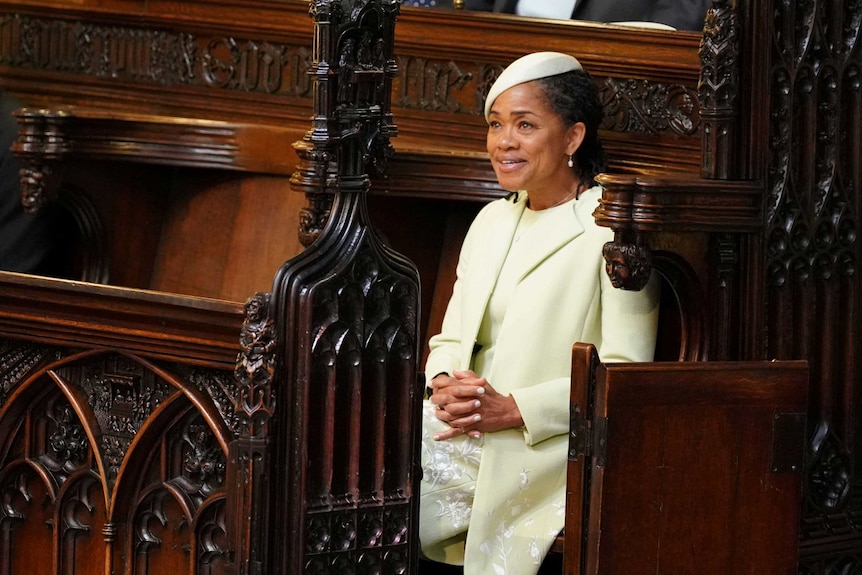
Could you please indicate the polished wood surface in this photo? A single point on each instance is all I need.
(160, 431)
(673, 466)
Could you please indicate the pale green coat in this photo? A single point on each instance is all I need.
(563, 296)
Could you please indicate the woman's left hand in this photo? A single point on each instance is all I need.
(471, 405)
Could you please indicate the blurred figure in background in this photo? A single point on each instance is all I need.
(678, 14)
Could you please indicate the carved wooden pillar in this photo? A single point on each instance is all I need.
(811, 255)
(345, 475)
(718, 87)
(250, 456)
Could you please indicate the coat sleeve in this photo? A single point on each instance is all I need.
(445, 347)
(628, 322)
(544, 408)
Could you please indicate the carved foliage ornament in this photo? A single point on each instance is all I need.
(643, 107)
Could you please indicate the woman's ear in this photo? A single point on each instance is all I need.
(575, 137)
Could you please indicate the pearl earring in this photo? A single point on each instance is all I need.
(571, 161)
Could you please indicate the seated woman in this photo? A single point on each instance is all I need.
(530, 282)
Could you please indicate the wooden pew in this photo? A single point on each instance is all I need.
(699, 137)
(691, 467)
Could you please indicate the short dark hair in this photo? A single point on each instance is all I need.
(574, 96)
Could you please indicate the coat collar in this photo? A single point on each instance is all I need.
(563, 226)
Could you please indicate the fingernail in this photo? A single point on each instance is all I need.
(480, 390)
(475, 434)
(477, 417)
(436, 437)
(477, 403)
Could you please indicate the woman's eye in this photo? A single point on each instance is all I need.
(525, 125)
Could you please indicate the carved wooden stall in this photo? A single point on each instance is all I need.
(148, 432)
(734, 157)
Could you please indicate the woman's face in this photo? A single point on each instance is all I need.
(528, 144)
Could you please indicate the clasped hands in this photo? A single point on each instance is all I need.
(470, 405)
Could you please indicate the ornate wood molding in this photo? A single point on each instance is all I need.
(640, 204)
(168, 326)
(634, 206)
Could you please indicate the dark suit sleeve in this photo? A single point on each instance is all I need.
(479, 5)
(681, 14)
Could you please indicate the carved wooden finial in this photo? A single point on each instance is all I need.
(353, 67)
(720, 70)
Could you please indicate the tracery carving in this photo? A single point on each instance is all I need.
(356, 541)
(211, 536)
(122, 395)
(17, 362)
(15, 490)
(79, 505)
(719, 88)
(203, 464)
(644, 107)
(813, 228)
(221, 387)
(195, 467)
(153, 518)
(811, 249)
(346, 316)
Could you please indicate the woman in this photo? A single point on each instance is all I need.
(530, 282)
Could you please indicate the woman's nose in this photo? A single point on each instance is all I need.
(505, 139)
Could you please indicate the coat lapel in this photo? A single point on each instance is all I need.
(558, 228)
(477, 296)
